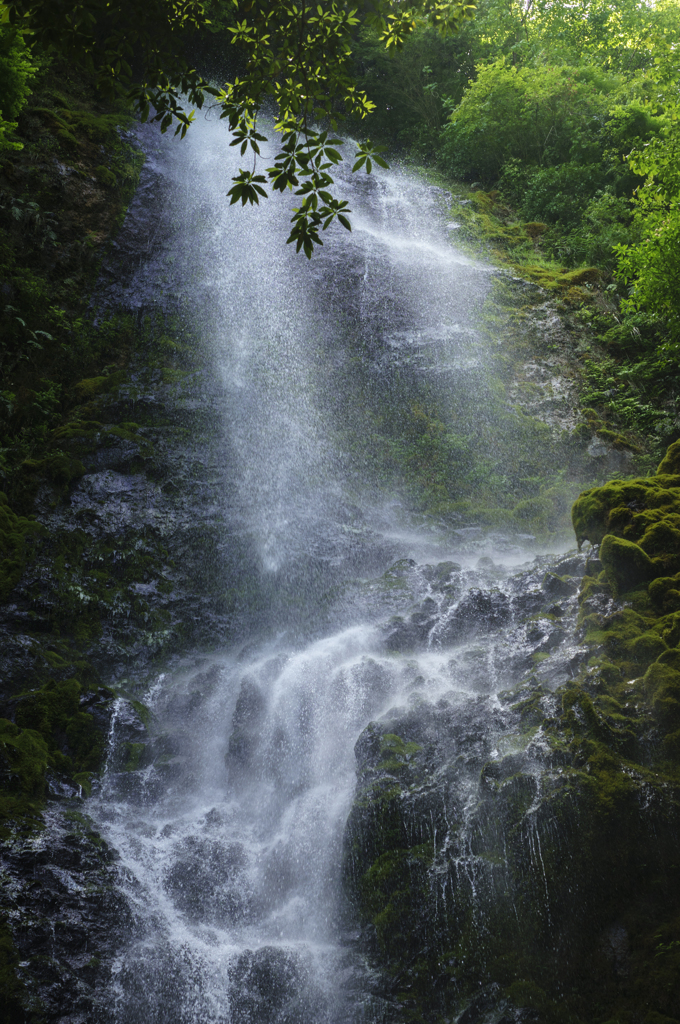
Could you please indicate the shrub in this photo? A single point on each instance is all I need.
(537, 115)
(16, 72)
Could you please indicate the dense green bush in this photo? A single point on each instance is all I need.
(542, 116)
(17, 69)
(652, 264)
(555, 141)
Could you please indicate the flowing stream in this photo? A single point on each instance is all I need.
(231, 841)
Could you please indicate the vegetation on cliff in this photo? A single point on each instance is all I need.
(66, 175)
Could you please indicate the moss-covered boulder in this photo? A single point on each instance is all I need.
(645, 511)
(665, 592)
(670, 464)
(626, 565)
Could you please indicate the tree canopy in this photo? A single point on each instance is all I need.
(571, 109)
(295, 56)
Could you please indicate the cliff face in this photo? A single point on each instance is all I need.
(107, 560)
(513, 856)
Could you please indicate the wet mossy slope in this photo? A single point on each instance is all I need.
(518, 858)
(113, 551)
(64, 190)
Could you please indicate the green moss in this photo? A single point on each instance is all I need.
(26, 753)
(646, 648)
(626, 565)
(91, 386)
(84, 780)
(526, 994)
(629, 508)
(397, 754)
(134, 753)
(557, 279)
(670, 658)
(77, 429)
(670, 464)
(15, 532)
(388, 890)
(105, 176)
(59, 467)
(54, 712)
(49, 731)
(665, 592)
(143, 712)
(668, 627)
(616, 440)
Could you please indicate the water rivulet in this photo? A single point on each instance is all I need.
(396, 766)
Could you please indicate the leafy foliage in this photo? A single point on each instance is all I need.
(652, 264)
(17, 70)
(296, 55)
(109, 38)
(299, 57)
(413, 88)
(541, 116)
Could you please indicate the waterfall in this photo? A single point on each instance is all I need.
(230, 835)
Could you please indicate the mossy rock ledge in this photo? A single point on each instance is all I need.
(518, 858)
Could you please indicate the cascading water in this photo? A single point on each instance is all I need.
(230, 834)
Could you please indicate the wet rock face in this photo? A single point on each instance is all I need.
(466, 866)
(478, 610)
(498, 624)
(497, 854)
(206, 881)
(246, 729)
(271, 986)
(67, 916)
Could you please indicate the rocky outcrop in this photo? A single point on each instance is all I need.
(65, 915)
(513, 856)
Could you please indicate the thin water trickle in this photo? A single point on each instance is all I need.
(230, 838)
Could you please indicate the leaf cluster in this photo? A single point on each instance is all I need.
(299, 57)
(17, 69)
(651, 265)
(136, 51)
(296, 54)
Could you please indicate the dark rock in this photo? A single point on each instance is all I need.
(477, 1011)
(272, 985)
(559, 586)
(61, 787)
(573, 566)
(527, 603)
(477, 610)
(554, 638)
(206, 881)
(406, 634)
(67, 916)
(441, 573)
(245, 736)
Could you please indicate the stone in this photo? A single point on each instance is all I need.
(626, 565)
